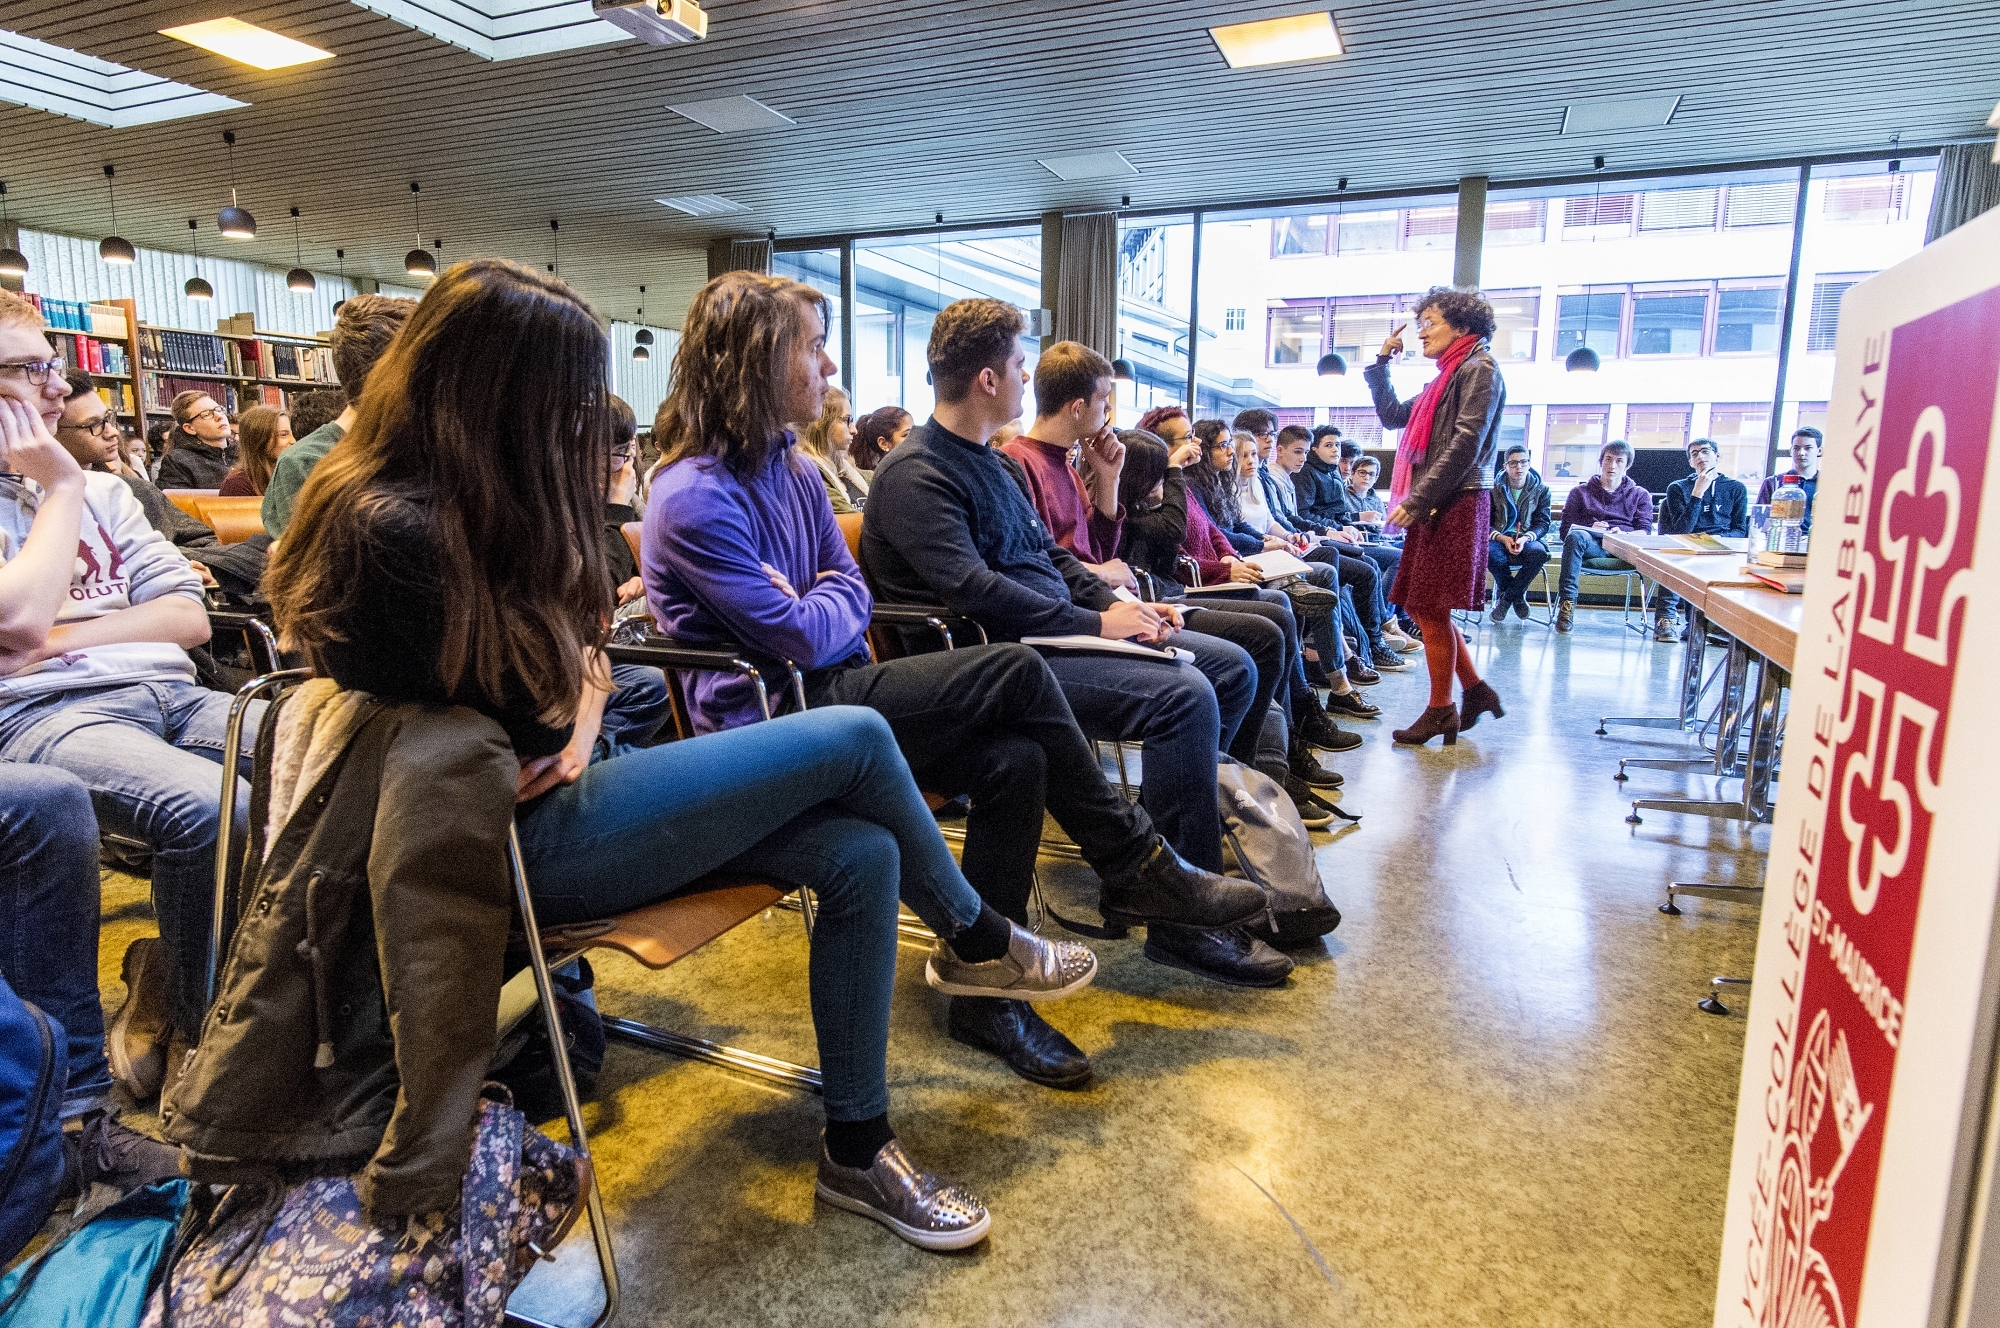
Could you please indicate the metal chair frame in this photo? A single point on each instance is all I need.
(227, 882)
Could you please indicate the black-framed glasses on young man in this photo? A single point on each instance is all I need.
(106, 427)
(623, 454)
(216, 411)
(35, 371)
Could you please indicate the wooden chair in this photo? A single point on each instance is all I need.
(232, 519)
(187, 499)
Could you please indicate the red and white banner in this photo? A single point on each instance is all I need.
(1860, 1105)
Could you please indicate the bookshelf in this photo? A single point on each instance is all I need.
(141, 367)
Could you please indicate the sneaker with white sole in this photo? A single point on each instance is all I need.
(1035, 968)
(135, 1041)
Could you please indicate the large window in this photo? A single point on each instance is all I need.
(1576, 434)
(901, 282)
(1155, 280)
(1658, 426)
(1590, 318)
(1746, 319)
(820, 269)
(1668, 322)
(1297, 331)
(1517, 314)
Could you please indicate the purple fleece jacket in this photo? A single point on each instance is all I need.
(1631, 508)
(705, 534)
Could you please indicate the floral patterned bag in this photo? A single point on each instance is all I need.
(306, 1253)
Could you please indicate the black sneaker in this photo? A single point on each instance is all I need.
(1318, 730)
(1316, 815)
(1301, 764)
(1352, 705)
(109, 1151)
(1361, 675)
(1231, 955)
(1521, 607)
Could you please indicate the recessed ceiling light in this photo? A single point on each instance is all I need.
(1278, 41)
(704, 205)
(1103, 164)
(246, 43)
(517, 28)
(54, 78)
(1599, 114)
(733, 115)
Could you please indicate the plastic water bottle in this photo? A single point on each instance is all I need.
(1788, 519)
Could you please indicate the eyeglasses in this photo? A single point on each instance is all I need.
(216, 411)
(622, 454)
(106, 426)
(36, 371)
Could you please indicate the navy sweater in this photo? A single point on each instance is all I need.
(948, 521)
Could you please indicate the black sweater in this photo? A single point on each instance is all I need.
(1151, 538)
(948, 521)
(397, 632)
(196, 466)
(1322, 494)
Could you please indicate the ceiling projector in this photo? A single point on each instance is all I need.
(656, 22)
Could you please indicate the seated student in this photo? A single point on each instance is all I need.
(200, 451)
(742, 545)
(824, 442)
(1320, 486)
(362, 331)
(1082, 511)
(97, 615)
(1607, 502)
(262, 435)
(441, 553)
(948, 523)
(1289, 452)
(312, 411)
(639, 703)
(1807, 444)
(48, 954)
(1516, 549)
(1707, 502)
(876, 435)
(1162, 527)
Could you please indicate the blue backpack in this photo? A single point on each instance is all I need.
(34, 1067)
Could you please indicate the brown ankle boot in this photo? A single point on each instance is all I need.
(1434, 721)
(1479, 699)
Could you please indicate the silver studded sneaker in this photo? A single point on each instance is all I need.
(1033, 969)
(923, 1209)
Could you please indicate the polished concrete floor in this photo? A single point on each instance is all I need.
(1489, 1100)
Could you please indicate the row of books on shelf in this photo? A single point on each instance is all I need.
(100, 320)
(182, 352)
(159, 391)
(280, 359)
(117, 397)
(99, 357)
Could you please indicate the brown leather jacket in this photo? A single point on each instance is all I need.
(1464, 431)
(354, 1021)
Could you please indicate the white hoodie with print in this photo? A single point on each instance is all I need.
(120, 561)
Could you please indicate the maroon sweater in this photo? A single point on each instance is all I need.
(1058, 494)
(1630, 508)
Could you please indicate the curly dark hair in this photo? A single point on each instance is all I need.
(1465, 310)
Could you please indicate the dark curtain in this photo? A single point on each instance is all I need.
(1087, 295)
(1968, 183)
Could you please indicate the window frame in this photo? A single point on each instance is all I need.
(1622, 289)
(1271, 312)
(1715, 314)
(1652, 289)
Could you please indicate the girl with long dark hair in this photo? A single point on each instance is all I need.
(448, 551)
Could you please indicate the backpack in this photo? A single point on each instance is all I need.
(1271, 845)
(34, 1069)
(100, 1271)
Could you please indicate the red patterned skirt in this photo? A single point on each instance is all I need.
(1444, 561)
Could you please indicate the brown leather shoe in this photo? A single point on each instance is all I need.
(1434, 722)
(1479, 699)
(136, 1041)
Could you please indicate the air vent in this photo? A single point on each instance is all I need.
(733, 115)
(1601, 114)
(1103, 164)
(704, 205)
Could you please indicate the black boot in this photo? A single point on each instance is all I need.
(1303, 765)
(1230, 955)
(1317, 728)
(1013, 1031)
(1168, 889)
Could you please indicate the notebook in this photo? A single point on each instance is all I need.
(1104, 645)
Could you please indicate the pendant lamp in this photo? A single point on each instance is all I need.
(13, 263)
(234, 222)
(1121, 371)
(1333, 364)
(555, 247)
(419, 263)
(299, 280)
(642, 339)
(115, 248)
(341, 254)
(1583, 359)
(196, 288)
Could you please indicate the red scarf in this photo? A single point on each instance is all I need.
(1416, 439)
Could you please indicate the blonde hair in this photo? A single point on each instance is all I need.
(17, 312)
(819, 434)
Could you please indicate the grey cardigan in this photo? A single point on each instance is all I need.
(1464, 431)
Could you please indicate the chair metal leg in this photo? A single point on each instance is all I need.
(545, 992)
(226, 861)
(1712, 1003)
(1741, 894)
(1726, 752)
(1694, 685)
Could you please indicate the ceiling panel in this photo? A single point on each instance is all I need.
(907, 109)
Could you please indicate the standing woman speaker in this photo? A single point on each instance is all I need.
(1438, 493)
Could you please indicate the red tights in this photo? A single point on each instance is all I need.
(1443, 661)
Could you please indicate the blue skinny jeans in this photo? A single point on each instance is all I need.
(821, 800)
